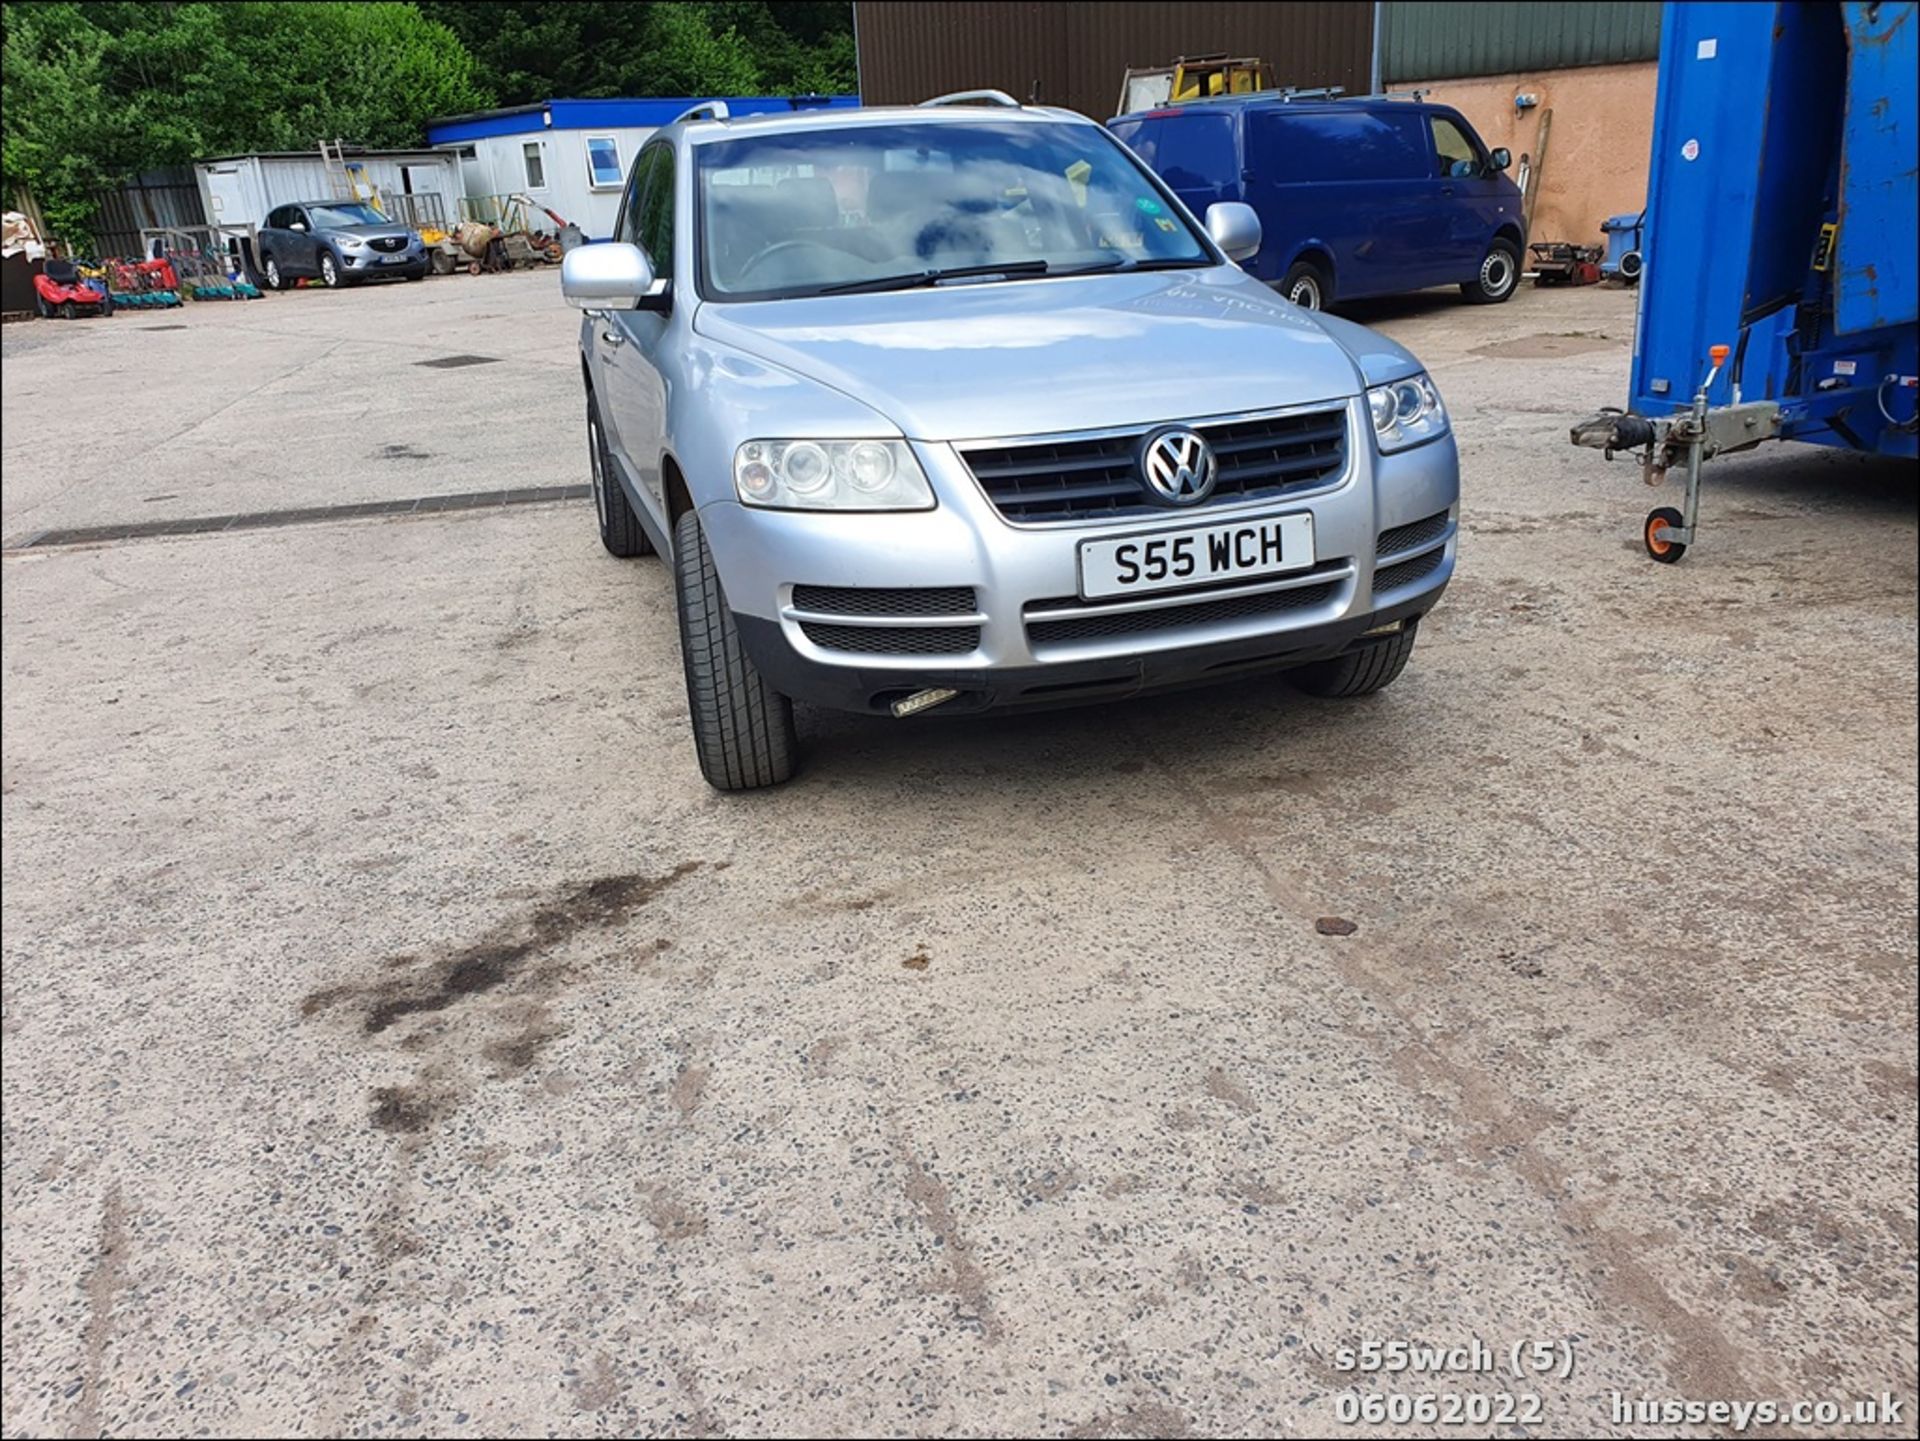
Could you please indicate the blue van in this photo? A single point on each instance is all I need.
(1356, 197)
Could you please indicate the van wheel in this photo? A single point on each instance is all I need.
(742, 727)
(1305, 285)
(1498, 276)
(1358, 672)
(620, 530)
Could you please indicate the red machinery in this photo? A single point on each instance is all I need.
(58, 291)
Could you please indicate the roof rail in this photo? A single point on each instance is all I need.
(974, 97)
(705, 110)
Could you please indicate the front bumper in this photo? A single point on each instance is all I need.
(1027, 638)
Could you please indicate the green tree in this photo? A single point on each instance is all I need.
(531, 50)
(97, 92)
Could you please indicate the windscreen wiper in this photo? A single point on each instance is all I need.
(919, 278)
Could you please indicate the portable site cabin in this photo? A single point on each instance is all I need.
(239, 190)
(572, 156)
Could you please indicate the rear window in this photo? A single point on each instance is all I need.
(1321, 145)
(1188, 151)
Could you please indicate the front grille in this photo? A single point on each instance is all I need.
(1411, 537)
(1407, 572)
(389, 242)
(850, 600)
(894, 639)
(1099, 478)
(1041, 631)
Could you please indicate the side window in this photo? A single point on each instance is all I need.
(1197, 151)
(536, 167)
(276, 219)
(1458, 158)
(297, 216)
(656, 215)
(1288, 146)
(603, 161)
(627, 228)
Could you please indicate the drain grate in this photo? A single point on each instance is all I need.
(454, 362)
(310, 515)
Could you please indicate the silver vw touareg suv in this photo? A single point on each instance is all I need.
(957, 406)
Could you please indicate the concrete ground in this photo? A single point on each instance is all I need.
(401, 1038)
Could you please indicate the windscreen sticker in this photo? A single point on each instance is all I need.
(1164, 223)
(1147, 205)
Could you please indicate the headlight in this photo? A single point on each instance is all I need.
(1406, 412)
(352, 242)
(830, 475)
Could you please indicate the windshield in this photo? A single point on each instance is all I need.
(335, 217)
(869, 207)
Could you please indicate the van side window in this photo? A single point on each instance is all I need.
(1458, 158)
(1142, 137)
(1195, 151)
(1344, 144)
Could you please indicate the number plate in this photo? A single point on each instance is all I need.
(1239, 550)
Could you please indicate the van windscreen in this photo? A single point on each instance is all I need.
(1322, 145)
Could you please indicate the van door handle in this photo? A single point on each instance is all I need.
(1446, 190)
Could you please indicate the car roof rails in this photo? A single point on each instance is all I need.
(973, 97)
(705, 110)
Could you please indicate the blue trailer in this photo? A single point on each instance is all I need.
(1779, 293)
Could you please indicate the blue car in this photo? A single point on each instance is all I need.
(1356, 197)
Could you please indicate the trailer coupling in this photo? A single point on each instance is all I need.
(1689, 439)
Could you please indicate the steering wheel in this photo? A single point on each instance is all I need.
(776, 248)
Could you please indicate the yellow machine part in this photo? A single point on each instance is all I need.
(1233, 77)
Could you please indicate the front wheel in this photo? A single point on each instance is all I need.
(1359, 672)
(620, 530)
(329, 270)
(1498, 276)
(742, 727)
(1305, 285)
(1663, 550)
(272, 273)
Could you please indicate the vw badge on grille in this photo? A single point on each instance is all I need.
(1178, 467)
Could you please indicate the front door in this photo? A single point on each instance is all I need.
(631, 346)
(1468, 191)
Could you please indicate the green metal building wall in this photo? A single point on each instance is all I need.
(1446, 40)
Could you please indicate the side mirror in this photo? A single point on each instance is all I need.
(612, 276)
(299, 225)
(1502, 158)
(1234, 228)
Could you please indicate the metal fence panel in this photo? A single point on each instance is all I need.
(151, 199)
(1445, 40)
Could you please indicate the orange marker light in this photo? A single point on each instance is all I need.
(1720, 353)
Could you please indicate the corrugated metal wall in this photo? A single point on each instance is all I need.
(154, 197)
(1075, 54)
(1443, 39)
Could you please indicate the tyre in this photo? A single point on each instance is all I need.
(1306, 285)
(67, 310)
(1664, 551)
(1358, 672)
(1498, 276)
(329, 270)
(620, 530)
(271, 274)
(742, 727)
